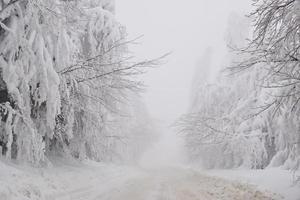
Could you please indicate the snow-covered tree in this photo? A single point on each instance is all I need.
(219, 129)
(274, 51)
(65, 71)
(251, 118)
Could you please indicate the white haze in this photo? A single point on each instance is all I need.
(168, 151)
(184, 27)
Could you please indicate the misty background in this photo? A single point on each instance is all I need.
(185, 28)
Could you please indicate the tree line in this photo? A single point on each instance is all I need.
(249, 116)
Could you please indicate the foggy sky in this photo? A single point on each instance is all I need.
(185, 27)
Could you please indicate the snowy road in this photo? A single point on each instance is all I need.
(164, 184)
(161, 176)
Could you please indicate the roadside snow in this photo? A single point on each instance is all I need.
(275, 180)
(62, 182)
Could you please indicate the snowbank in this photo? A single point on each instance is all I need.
(64, 181)
(276, 180)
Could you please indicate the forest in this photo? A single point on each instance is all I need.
(66, 73)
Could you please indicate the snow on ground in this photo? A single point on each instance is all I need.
(182, 184)
(277, 180)
(96, 181)
(65, 181)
